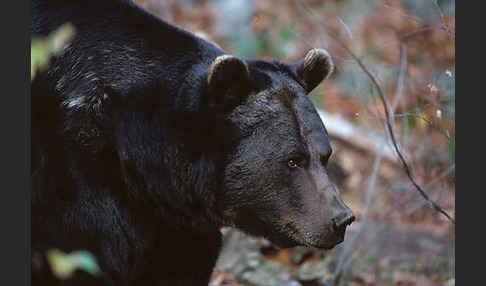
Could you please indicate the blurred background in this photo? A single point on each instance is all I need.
(408, 46)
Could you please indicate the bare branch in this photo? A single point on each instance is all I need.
(443, 25)
(429, 122)
(413, 18)
(388, 122)
(345, 255)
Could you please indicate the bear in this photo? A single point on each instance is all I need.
(147, 140)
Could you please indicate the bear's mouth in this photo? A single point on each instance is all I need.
(326, 245)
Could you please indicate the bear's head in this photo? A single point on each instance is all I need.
(276, 182)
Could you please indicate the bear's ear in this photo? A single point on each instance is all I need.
(228, 82)
(314, 68)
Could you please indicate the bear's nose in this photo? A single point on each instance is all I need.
(343, 220)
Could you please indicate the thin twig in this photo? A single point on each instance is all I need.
(443, 25)
(426, 120)
(413, 18)
(381, 95)
(345, 257)
(405, 35)
(406, 168)
(445, 173)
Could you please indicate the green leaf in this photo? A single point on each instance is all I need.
(63, 265)
(42, 49)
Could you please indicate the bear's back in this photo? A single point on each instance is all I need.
(119, 46)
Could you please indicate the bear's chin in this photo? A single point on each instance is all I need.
(324, 246)
(290, 244)
(284, 242)
(327, 244)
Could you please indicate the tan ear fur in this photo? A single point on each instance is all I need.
(226, 63)
(316, 67)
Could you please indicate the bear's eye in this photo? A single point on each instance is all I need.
(294, 163)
